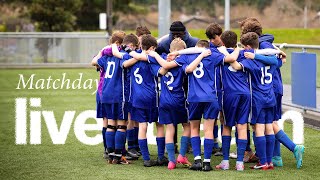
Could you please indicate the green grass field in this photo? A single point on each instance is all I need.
(74, 160)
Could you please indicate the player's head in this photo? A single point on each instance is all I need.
(213, 33)
(131, 41)
(148, 42)
(177, 29)
(229, 39)
(177, 44)
(142, 30)
(117, 37)
(250, 40)
(202, 43)
(251, 25)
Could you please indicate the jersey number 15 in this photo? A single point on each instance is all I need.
(266, 77)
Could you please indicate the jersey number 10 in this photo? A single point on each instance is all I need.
(265, 74)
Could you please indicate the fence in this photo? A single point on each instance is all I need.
(58, 47)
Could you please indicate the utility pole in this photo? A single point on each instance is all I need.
(227, 15)
(164, 10)
(109, 16)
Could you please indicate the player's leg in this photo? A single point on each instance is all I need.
(132, 152)
(136, 131)
(104, 130)
(161, 144)
(270, 138)
(196, 144)
(260, 142)
(184, 144)
(298, 150)
(226, 139)
(241, 145)
(110, 138)
(276, 159)
(170, 145)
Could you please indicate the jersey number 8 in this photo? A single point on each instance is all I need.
(198, 72)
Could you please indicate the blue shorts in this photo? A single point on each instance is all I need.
(116, 111)
(209, 110)
(144, 115)
(262, 115)
(172, 116)
(236, 109)
(278, 107)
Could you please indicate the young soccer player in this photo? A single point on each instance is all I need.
(145, 101)
(172, 107)
(265, 41)
(114, 99)
(117, 37)
(263, 100)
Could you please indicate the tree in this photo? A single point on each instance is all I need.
(53, 16)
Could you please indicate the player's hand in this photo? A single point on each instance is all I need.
(206, 53)
(282, 55)
(152, 53)
(249, 55)
(171, 56)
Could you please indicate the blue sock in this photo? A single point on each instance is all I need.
(184, 145)
(170, 150)
(276, 151)
(143, 144)
(110, 141)
(284, 139)
(120, 141)
(215, 136)
(261, 149)
(248, 148)
(104, 129)
(226, 147)
(131, 138)
(208, 146)
(196, 146)
(136, 132)
(161, 146)
(242, 143)
(270, 147)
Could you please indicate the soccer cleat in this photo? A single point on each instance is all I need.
(298, 154)
(171, 165)
(150, 163)
(133, 153)
(239, 166)
(196, 166)
(206, 166)
(271, 166)
(110, 157)
(120, 160)
(183, 160)
(260, 166)
(250, 157)
(163, 161)
(217, 152)
(223, 165)
(138, 150)
(277, 161)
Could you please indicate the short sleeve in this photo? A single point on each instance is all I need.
(217, 56)
(152, 60)
(181, 60)
(102, 61)
(155, 68)
(264, 45)
(280, 63)
(246, 64)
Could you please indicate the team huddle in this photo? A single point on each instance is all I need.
(210, 79)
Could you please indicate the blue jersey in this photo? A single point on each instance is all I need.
(113, 84)
(261, 77)
(218, 72)
(265, 41)
(144, 84)
(235, 82)
(202, 86)
(172, 93)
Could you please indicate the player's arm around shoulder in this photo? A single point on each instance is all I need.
(163, 63)
(192, 66)
(94, 61)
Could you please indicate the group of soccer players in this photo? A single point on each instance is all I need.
(241, 86)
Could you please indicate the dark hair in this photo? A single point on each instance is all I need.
(213, 30)
(229, 39)
(131, 38)
(117, 36)
(203, 43)
(141, 30)
(251, 25)
(251, 39)
(177, 26)
(148, 41)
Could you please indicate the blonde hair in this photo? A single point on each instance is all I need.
(177, 44)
